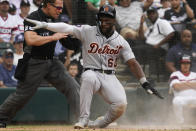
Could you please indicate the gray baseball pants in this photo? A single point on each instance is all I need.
(51, 70)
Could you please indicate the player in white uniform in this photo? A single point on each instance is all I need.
(102, 46)
(8, 25)
(183, 85)
(24, 7)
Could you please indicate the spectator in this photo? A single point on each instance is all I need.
(192, 4)
(93, 5)
(73, 71)
(128, 17)
(176, 52)
(7, 70)
(35, 4)
(92, 9)
(12, 9)
(183, 85)
(110, 2)
(158, 34)
(24, 7)
(165, 6)
(17, 4)
(68, 7)
(18, 46)
(8, 26)
(179, 14)
(156, 3)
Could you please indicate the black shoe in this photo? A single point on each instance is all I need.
(2, 125)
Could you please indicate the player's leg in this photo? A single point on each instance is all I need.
(191, 100)
(113, 93)
(181, 101)
(63, 82)
(90, 85)
(24, 91)
(178, 103)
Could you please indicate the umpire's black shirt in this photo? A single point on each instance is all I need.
(46, 50)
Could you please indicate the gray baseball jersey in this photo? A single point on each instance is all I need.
(98, 52)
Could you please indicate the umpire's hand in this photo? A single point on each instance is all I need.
(149, 89)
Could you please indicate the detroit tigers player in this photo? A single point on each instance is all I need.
(183, 85)
(102, 46)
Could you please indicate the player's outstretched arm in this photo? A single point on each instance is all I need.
(55, 27)
(139, 74)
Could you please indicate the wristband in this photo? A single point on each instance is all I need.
(143, 80)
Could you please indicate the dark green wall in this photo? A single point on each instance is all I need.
(46, 105)
(50, 105)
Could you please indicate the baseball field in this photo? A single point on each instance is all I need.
(116, 128)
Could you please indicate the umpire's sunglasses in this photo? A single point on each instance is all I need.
(57, 7)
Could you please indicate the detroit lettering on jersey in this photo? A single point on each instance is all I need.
(105, 50)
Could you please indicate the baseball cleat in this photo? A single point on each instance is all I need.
(96, 123)
(81, 124)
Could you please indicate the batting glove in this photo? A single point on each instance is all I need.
(149, 89)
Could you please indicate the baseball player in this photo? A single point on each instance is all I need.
(8, 26)
(102, 46)
(24, 7)
(183, 85)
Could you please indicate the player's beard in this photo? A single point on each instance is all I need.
(107, 31)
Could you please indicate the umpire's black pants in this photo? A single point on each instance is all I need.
(54, 72)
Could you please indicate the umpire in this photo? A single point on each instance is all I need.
(39, 63)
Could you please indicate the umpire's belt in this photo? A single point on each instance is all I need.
(43, 57)
(109, 72)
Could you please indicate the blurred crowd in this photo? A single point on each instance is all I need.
(159, 32)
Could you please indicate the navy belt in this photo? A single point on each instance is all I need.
(43, 57)
(109, 72)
